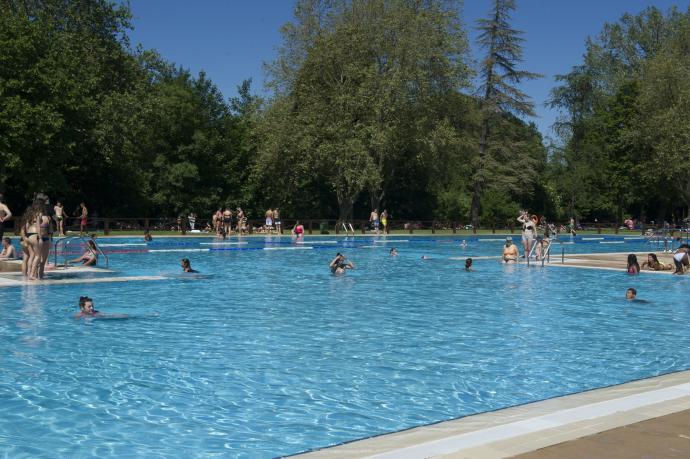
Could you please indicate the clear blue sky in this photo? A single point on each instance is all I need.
(229, 39)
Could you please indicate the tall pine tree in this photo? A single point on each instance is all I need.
(499, 93)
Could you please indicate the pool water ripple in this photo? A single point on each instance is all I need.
(267, 354)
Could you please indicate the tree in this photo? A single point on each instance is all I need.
(499, 93)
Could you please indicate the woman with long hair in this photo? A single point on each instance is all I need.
(633, 265)
(654, 264)
(32, 222)
(45, 231)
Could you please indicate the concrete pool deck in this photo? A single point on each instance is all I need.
(531, 427)
(15, 279)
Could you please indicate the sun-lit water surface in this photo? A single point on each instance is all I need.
(265, 353)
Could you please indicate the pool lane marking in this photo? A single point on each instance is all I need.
(288, 248)
(179, 250)
(121, 245)
(565, 417)
(391, 241)
(593, 238)
(491, 240)
(611, 242)
(635, 237)
(224, 243)
(317, 242)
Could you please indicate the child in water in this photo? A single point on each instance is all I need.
(86, 308)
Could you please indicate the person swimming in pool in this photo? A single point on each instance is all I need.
(468, 264)
(187, 266)
(393, 252)
(630, 294)
(86, 308)
(340, 264)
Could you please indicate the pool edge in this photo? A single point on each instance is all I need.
(528, 427)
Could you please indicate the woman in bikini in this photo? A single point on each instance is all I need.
(653, 264)
(32, 222)
(45, 230)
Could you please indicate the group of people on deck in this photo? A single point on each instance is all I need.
(681, 262)
(36, 229)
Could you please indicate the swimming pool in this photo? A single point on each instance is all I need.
(266, 354)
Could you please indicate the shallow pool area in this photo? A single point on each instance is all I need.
(265, 353)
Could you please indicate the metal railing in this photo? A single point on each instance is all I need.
(66, 241)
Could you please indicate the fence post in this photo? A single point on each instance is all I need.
(364, 228)
(433, 227)
(454, 227)
(106, 226)
(598, 229)
(311, 226)
(410, 227)
(493, 228)
(336, 227)
(183, 225)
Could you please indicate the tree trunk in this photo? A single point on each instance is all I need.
(345, 205)
(375, 198)
(477, 187)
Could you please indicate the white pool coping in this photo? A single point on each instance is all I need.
(525, 428)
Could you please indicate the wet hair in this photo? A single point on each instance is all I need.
(186, 263)
(91, 244)
(632, 261)
(83, 300)
(634, 292)
(654, 257)
(8, 240)
(468, 262)
(392, 249)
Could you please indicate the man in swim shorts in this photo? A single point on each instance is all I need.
(510, 251)
(374, 220)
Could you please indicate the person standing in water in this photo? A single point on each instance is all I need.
(60, 218)
(340, 264)
(187, 266)
(5, 214)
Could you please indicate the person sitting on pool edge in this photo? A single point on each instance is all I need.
(86, 308)
(187, 266)
(90, 257)
(468, 264)
(340, 264)
(510, 251)
(8, 252)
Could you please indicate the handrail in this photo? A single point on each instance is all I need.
(69, 239)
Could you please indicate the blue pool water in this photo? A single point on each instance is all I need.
(266, 354)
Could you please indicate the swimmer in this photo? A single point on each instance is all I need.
(510, 251)
(187, 266)
(424, 257)
(463, 244)
(147, 236)
(86, 308)
(340, 264)
(468, 264)
(630, 294)
(393, 252)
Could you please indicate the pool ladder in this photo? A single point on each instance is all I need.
(546, 254)
(66, 241)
